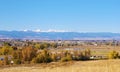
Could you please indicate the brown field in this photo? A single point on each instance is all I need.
(78, 66)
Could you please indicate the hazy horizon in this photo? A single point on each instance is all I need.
(38, 31)
(60, 15)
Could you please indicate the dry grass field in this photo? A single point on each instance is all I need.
(78, 66)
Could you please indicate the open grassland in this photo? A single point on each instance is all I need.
(78, 66)
(101, 50)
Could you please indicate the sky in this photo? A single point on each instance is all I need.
(60, 15)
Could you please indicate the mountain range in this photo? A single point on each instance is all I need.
(57, 35)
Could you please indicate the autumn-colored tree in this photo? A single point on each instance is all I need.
(6, 49)
(67, 57)
(6, 60)
(42, 57)
(37, 45)
(85, 55)
(46, 56)
(28, 53)
(54, 45)
(14, 55)
(54, 57)
(17, 56)
(113, 55)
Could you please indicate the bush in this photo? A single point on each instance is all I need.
(43, 57)
(1, 63)
(54, 57)
(113, 55)
(17, 61)
(28, 53)
(6, 61)
(67, 58)
(83, 55)
(77, 58)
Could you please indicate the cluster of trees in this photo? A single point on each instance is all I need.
(45, 45)
(40, 53)
(7, 48)
(31, 54)
(22, 54)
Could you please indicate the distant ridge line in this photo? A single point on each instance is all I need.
(58, 35)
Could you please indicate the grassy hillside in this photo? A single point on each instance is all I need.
(80, 66)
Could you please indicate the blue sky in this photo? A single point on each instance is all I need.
(68, 15)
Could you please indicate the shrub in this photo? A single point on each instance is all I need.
(28, 53)
(43, 57)
(15, 55)
(54, 57)
(66, 58)
(17, 61)
(1, 63)
(83, 55)
(113, 55)
(6, 61)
